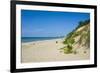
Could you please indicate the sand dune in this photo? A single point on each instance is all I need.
(49, 50)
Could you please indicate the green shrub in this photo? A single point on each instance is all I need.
(69, 41)
(67, 49)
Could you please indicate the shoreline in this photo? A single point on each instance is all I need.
(43, 41)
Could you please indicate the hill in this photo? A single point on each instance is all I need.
(79, 38)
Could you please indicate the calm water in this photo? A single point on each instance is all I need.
(30, 39)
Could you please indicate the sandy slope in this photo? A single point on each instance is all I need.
(48, 50)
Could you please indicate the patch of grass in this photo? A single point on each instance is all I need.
(76, 34)
(67, 49)
(69, 41)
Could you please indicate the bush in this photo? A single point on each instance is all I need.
(69, 41)
(67, 49)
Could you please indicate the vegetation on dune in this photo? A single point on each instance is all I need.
(82, 23)
(67, 49)
(83, 40)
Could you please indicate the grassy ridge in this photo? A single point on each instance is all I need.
(83, 32)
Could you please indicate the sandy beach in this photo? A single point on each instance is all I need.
(49, 50)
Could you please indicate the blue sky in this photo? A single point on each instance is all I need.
(49, 23)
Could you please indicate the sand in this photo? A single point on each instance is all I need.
(49, 50)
